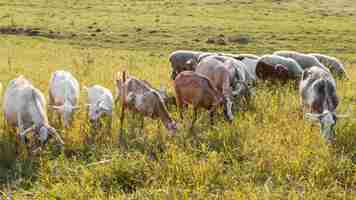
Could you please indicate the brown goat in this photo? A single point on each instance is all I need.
(277, 73)
(141, 98)
(221, 78)
(196, 89)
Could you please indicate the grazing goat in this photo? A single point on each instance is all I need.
(243, 73)
(24, 108)
(221, 78)
(318, 95)
(334, 64)
(237, 69)
(64, 94)
(238, 75)
(196, 89)
(100, 102)
(179, 61)
(277, 68)
(304, 60)
(141, 98)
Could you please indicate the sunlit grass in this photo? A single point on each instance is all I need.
(268, 152)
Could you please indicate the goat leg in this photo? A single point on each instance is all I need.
(159, 126)
(110, 123)
(195, 113)
(59, 120)
(180, 105)
(142, 124)
(22, 132)
(211, 114)
(180, 108)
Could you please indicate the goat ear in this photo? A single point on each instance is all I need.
(313, 116)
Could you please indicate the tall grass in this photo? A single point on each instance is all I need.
(268, 152)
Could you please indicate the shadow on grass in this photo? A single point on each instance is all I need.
(17, 168)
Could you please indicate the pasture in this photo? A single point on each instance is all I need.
(268, 152)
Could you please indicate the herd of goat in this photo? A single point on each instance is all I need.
(204, 80)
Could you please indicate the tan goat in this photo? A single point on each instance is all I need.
(196, 89)
(140, 97)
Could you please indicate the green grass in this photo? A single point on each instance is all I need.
(268, 152)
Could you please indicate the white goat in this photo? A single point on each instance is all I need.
(24, 108)
(64, 95)
(100, 102)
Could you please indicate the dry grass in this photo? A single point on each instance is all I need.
(268, 152)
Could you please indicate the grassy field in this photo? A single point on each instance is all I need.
(268, 152)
